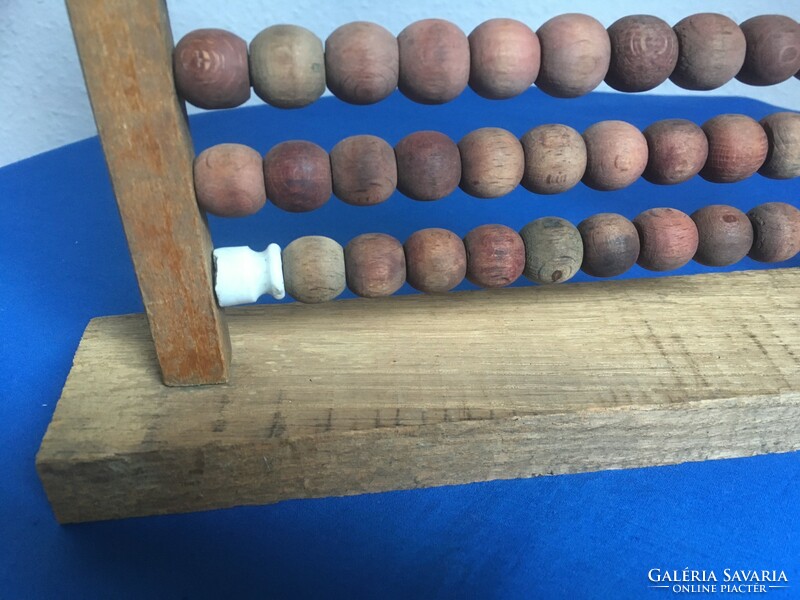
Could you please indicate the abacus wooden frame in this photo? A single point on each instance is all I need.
(360, 396)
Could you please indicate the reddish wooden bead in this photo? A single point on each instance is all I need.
(492, 162)
(553, 250)
(737, 147)
(616, 155)
(504, 58)
(555, 159)
(644, 52)
(229, 181)
(297, 175)
(711, 51)
(434, 61)
(725, 235)
(676, 151)
(776, 232)
(667, 238)
(783, 136)
(211, 69)
(428, 165)
(364, 170)
(773, 50)
(610, 244)
(375, 264)
(436, 260)
(495, 256)
(575, 55)
(362, 62)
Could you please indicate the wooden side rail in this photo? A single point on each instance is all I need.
(125, 50)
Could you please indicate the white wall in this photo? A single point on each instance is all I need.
(43, 102)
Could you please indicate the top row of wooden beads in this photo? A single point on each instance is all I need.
(432, 61)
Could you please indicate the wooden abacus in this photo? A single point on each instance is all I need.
(358, 396)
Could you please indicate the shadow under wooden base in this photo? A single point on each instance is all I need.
(413, 391)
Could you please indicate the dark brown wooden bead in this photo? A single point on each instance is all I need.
(297, 175)
(610, 244)
(676, 151)
(287, 66)
(362, 62)
(434, 61)
(555, 159)
(711, 51)
(211, 69)
(375, 264)
(428, 165)
(436, 260)
(492, 162)
(553, 250)
(667, 239)
(229, 180)
(504, 58)
(783, 136)
(644, 52)
(495, 256)
(776, 232)
(773, 50)
(575, 55)
(737, 147)
(616, 155)
(313, 269)
(364, 170)
(724, 233)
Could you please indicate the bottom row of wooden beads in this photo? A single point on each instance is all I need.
(547, 250)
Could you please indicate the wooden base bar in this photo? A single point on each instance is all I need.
(412, 391)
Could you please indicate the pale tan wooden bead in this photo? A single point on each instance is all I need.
(616, 155)
(553, 250)
(555, 159)
(287, 66)
(313, 269)
(492, 162)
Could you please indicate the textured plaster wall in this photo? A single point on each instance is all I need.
(44, 105)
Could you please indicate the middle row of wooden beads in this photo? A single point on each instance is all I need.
(547, 250)
(299, 176)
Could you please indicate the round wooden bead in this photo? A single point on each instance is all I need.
(364, 170)
(555, 159)
(375, 264)
(783, 136)
(362, 62)
(644, 52)
(610, 244)
(711, 51)
(287, 66)
(436, 260)
(575, 55)
(297, 175)
(676, 151)
(492, 162)
(313, 269)
(616, 155)
(434, 61)
(724, 233)
(553, 250)
(428, 165)
(773, 50)
(504, 58)
(495, 256)
(229, 180)
(776, 232)
(737, 147)
(211, 69)
(667, 238)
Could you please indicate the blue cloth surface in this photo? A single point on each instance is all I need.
(64, 261)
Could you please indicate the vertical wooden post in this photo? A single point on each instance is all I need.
(125, 50)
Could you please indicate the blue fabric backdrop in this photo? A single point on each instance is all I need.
(64, 261)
